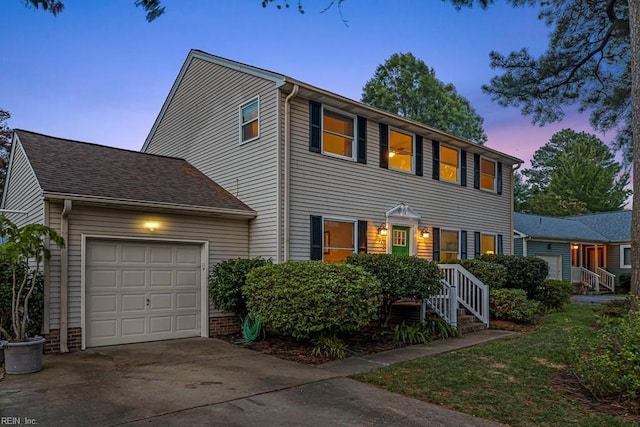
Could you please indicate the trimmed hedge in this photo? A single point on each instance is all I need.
(492, 275)
(513, 305)
(526, 273)
(226, 281)
(307, 299)
(401, 276)
(553, 294)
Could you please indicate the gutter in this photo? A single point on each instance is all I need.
(64, 276)
(287, 167)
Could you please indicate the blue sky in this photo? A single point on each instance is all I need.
(100, 73)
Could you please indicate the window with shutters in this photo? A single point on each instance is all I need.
(339, 239)
(487, 243)
(449, 164)
(401, 151)
(338, 134)
(449, 244)
(488, 171)
(250, 120)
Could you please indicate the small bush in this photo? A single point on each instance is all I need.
(513, 305)
(401, 276)
(616, 308)
(412, 334)
(611, 368)
(36, 302)
(312, 298)
(226, 281)
(554, 294)
(491, 274)
(624, 283)
(329, 346)
(526, 273)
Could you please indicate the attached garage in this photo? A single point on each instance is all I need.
(137, 291)
(555, 266)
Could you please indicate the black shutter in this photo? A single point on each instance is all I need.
(316, 238)
(362, 140)
(499, 179)
(419, 155)
(435, 152)
(463, 168)
(476, 244)
(476, 171)
(436, 244)
(384, 146)
(362, 237)
(500, 249)
(315, 120)
(463, 245)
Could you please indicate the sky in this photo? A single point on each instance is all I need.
(99, 72)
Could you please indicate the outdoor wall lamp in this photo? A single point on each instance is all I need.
(424, 233)
(151, 225)
(574, 246)
(383, 230)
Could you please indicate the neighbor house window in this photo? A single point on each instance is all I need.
(400, 150)
(487, 174)
(625, 256)
(339, 240)
(338, 134)
(449, 164)
(449, 244)
(250, 121)
(487, 244)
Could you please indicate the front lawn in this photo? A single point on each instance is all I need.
(523, 380)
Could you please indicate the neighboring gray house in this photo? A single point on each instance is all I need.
(590, 249)
(272, 167)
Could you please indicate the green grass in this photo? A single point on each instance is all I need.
(508, 380)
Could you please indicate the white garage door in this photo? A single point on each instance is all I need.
(140, 291)
(555, 266)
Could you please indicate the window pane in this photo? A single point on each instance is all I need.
(337, 134)
(488, 167)
(336, 255)
(250, 130)
(338, 123)
(627, 256)
(449, 164)
(487, 174)
(449, 155)
(486, 182)
(337, 144)
(487, 244)
(339, 234)
(250, 112)
(448, 255)
(400, 150)
(448, 244)
(399, 238)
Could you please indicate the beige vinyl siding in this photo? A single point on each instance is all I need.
(613, 260)
(322, 185)
(201, 124)
(23, 191)
(227, 239)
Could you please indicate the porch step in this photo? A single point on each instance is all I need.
(468, 328)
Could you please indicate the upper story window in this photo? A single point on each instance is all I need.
(339, 239)
(338, 134)
(401, 151)
(449, 164)
(487, 244)
(487, 174)
(449, 244)
(625, 256)
(250, 121)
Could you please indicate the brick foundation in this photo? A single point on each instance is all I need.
(74, 340)
(224, 325)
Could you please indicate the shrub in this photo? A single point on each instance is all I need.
(624, 283)
(616, 308)
(312, 298)
(329, 346)
(611, 367)
(36, 302)
(491, 274)
(512, 305)
(553, 294)
(412, 334)
(401, 276)
(526, 273)
(226, 281)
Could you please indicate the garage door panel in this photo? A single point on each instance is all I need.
(137, 292)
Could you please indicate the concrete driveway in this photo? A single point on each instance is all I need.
(202, 381)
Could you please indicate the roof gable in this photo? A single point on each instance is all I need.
(77, 168)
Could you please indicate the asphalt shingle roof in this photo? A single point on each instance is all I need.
(547, 227)
(85, 169)
(615, 226)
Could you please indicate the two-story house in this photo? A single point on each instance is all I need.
(242, 162)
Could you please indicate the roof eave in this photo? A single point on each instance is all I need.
(157, 206)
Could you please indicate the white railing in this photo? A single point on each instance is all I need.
(471, 292)
(607, 280)
(444, 304)
(590, 279)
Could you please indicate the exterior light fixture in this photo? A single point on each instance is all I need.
(383, 230)
(424, 233)
(575, 246)
(151, 225)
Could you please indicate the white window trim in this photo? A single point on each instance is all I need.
(353, 141)
(459, 242)
(413, 150)
(457, 181)
(341, 219)
(241, 123)
(622, 248)
(495, 241)
(495, 176)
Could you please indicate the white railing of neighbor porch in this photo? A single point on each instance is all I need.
(607, 280)
(590, 279)
(445, 304)
(472, 293)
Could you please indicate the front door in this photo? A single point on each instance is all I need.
(400, 240)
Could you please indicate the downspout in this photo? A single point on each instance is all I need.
(64, 276)
(511, 223)
(287, 167)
